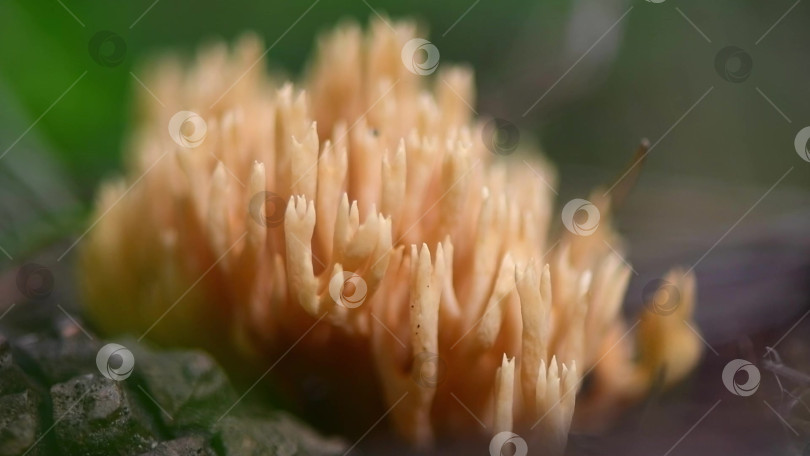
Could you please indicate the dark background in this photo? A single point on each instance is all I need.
(636, 81)
(639, 79)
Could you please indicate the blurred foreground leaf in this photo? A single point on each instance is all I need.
(37, 202)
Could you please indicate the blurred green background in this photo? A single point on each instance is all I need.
(609, 72)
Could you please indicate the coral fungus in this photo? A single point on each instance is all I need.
(364, 220)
